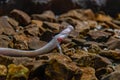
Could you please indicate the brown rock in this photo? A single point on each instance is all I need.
(112, 25)
(75, 14)
(114, 54)
(113, 76)
(46, 16)
(40, 25)
(3, 72)
(94, 48)
(13, 22)
(22, 60)
(88, 73)
(89, 14)
(52, 26)
(32, 30)
(113, 43)
(22, 17)
(92, 60)
(4, 41)
(102, 18)
(81, 27)
(5, 27)
(35, 43)
(99, 35)
(60, 67)
(20, 41)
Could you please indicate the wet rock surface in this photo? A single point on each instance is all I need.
(90, 52)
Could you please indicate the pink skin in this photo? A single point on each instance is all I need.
(45, 49)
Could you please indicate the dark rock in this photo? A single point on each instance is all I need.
(5, 60)
(48, 66)
(101, 72)
(47, 36)
(22, 17)
(92, 43)
(45, 16)
(112, 76)
(78, 41)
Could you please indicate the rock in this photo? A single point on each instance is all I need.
(4, 41)
(94, 48)
(89, 14)
(32, 30)
(54, 70)
(113, 43)
(78, 41)
(47, 36)
(88, 73)
(92, 60)
(55, 27)
(117, 67)
(112, 76)
(75, 14)
(112, 25)
(20, 41)
(60, 68)
(93, 43)
(22, 60)
(114, 54)
(99, 36)
(17, 72)
(35, 43)
(22, 17)
(5, 27)
(13, 23)
(48, 66)
(101, 72)
(3, 72)
(103, 18)
(39, 24)
(5, 60)
(45, 16)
